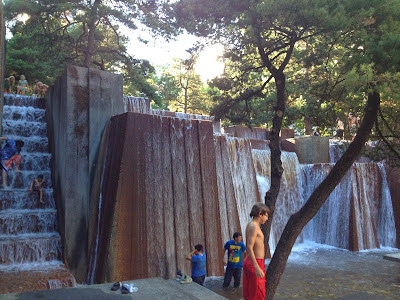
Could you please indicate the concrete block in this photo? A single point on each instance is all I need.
(257, 133)
(287, 133)
(153, 208)
(80, 104)
(312, 149)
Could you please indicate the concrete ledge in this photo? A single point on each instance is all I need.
(393, 257)
(149, 289)
(312, 149)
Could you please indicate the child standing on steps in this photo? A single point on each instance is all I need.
(10, 156)
(37, 185)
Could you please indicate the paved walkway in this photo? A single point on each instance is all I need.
(149, 289)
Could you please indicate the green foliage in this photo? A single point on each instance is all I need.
(84, 33)
(181, 89)
(341, 50)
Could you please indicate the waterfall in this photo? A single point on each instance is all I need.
(386, 226)
(334, 151)
(290, 196)
(357, 215)
(137, 104)
(331, 224)
(29, 237)
(243, 178)
(93, 257)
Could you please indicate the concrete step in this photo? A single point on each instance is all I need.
(35, 161)
(26, 114)
(13, 222)
(24, 128)
(393, 257)
(28, 248)
(22, 199)
(28, 101)
(35, 277)
(32, 144)
(22, 180)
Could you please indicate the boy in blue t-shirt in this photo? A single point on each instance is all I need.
(198, 259)
(235, 248)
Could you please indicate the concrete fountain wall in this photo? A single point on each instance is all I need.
(165, 184)
(158, 199)
(78, 105)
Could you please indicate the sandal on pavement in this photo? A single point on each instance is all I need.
(116, 286)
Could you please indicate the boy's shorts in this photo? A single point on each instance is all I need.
(253, 287)
(8, 163)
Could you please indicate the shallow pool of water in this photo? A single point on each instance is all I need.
(317, 271)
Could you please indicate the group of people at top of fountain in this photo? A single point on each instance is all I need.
(250, 258)
(10, 157)
(352, 126)
(39, 89)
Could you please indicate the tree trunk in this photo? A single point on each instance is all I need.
(276, 162)
(298, 220)
(89, 50)
(91, 30)
(186, 96)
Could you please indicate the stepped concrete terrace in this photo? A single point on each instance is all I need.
(30, 244)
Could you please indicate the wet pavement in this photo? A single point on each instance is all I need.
(315, 272)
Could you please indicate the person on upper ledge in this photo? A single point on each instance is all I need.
(6, 86)
(37, 88)
(353, 125)
(339, 129)
(11, 83)
(22, 85)
(43, 90)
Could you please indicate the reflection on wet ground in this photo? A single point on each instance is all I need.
(321, 272)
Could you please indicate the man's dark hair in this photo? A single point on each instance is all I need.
(19, 143)
(40, 176)
(259, 209)
(236, 235)
(199, 247)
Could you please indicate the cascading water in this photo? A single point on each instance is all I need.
(357, 215)
(243, 178)
(28, 229)
(137, 104)
(330, 225)
(290, 195)
(386, 226)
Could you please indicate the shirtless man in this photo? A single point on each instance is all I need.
(253, 264)
(353, 124)
(339, 129)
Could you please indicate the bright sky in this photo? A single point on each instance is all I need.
(161, 53)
